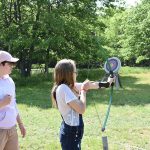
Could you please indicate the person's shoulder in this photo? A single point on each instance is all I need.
(62, 87)
(10, 79)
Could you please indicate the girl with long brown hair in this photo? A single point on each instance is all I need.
(70, 99)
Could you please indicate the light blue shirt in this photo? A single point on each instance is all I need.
(8, 114)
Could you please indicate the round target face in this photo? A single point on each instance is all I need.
(115, 65)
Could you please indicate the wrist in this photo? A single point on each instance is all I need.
(84, 90)
(104, 84)
(20, 123)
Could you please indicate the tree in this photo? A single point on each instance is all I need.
(128, 34)
(37, 31)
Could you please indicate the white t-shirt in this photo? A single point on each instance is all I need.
(8, 113)
(64, 95)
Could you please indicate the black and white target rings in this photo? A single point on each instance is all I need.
(115, 65)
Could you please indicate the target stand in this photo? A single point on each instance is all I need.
(105, 143)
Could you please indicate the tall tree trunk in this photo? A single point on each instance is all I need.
(25, 64)
(47, 60)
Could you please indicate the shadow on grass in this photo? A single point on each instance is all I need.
(35, 96)
(131, 94)
(35, 91)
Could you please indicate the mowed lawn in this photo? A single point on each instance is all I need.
(128, 126)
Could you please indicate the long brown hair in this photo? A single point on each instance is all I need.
(63, 74)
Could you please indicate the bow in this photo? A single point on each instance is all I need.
(112, 65)
(110, 99)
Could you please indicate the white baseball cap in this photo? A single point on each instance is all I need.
(5, 56)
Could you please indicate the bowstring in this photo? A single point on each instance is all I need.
(97, 113)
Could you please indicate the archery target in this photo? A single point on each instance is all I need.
(115, 65)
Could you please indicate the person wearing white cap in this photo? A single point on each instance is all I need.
(9, 114)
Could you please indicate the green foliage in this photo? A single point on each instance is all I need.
(128, 34)
(37, 77)
(136, 36)
(113, 34)
(40, 31)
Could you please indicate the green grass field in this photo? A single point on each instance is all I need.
(128, 126)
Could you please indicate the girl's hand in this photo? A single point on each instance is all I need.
(7, 100)
(111, 80)
(85, 85)
(22, 129)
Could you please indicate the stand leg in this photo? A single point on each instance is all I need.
(105, 143)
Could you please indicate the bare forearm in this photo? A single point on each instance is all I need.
(21, 126)
(19, 121)
(5, 101)
(83, 100)
(94, 85)
(97, 85)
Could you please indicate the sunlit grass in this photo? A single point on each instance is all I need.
(128, 126)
